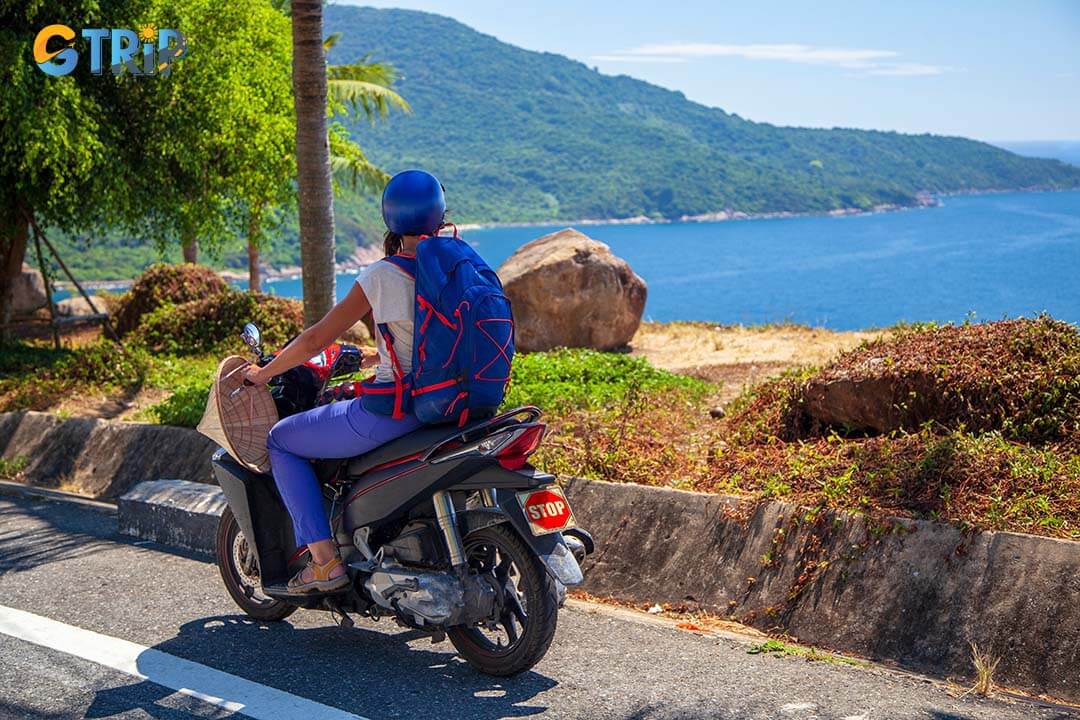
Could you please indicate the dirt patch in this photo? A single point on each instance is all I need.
(733, 379)
(124, 405)
(737, 355)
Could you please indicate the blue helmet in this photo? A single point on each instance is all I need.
(413, 203)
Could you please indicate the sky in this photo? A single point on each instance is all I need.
(991, 70)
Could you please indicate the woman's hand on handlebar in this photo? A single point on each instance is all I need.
(369, 357)
(254, 375)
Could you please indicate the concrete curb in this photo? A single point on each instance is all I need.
(173, 512)
(101, 459)
(15, 489)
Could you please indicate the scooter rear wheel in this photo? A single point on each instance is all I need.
(528, 611)
(240, 571)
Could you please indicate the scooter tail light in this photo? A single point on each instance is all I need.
(514, 455)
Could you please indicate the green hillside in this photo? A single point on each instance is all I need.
(520, 135)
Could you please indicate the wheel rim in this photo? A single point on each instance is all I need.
(245, 566)
(503, 633)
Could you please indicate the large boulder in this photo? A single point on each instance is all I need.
(569, 290)
(28, 292)
(77, 306)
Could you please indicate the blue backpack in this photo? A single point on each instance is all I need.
(463, 339)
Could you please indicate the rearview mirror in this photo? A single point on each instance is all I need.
(251, 336)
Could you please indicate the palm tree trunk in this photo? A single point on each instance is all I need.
(313, 160)
(14, 231)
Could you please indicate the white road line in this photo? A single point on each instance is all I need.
(218, 688)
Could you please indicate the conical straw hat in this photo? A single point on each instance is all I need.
(239, 417)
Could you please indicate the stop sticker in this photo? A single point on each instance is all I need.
(547, 510)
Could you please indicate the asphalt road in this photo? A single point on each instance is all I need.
(67, 564)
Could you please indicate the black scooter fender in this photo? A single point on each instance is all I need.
(252, 495)
(550, 548)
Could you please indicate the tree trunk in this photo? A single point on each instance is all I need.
(254, 225)
(254, 277)
(313, 160)
(14, 231)
(191, 251)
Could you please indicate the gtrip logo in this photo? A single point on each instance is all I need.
(147, 52)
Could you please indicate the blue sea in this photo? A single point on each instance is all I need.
(977, 256)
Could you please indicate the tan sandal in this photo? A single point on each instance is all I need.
(322, 582)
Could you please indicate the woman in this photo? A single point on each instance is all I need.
(413, 206)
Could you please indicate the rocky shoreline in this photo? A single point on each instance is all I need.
(923, 200)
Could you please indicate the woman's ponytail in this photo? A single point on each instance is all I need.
(391, 243)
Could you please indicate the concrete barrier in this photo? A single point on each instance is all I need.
(914, 593)
(101, 458)
(172, 512)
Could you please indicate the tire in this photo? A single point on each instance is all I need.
(541, 607)
(243, 587)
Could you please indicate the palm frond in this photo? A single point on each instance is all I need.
(349, 165)
(372, 100)
(364, 69)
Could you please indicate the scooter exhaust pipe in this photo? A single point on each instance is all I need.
(447, 516)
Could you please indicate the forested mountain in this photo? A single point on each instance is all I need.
(521, 135)
(518, 135)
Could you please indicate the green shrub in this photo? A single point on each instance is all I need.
(213, 324)
(184, 407)
(568, 379)
(163, 284)
(169, 372)
(19, 359)
(106, 364)
(12, 467)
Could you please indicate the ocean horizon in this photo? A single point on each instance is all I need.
(980, 257)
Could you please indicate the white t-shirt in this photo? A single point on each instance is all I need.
(391, 292)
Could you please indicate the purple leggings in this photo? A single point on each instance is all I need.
(337, 430)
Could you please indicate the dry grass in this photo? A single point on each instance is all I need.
(1021, 377)
(985, 666)
(1020, 473)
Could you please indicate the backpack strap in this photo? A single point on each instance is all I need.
(399, 376)
(438, 230)
(404, 263)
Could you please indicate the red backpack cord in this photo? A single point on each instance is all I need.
(399, 412)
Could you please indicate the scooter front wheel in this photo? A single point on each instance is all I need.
(240, 571)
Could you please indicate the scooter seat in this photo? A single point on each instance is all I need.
(415, 442)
